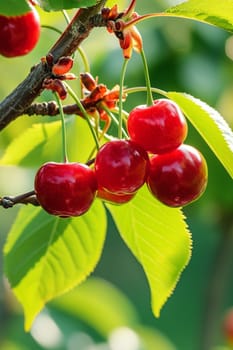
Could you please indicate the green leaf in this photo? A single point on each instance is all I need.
(159, 238)
(42, 143)
(14, 7)
(215, 12)
(57, 5)
(109, 307)
(112, 313)
(29, 147)
(211, 126)
(46, 256)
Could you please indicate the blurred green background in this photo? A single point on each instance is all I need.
(111, 311)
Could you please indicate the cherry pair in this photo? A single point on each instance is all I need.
(69, 189)
(178, 172)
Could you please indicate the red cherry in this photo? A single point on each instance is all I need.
(114, 198)
(159, 128)
(19, 34)
(179, 177)
(121, 167)
(65, 189)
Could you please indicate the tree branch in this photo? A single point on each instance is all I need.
(25, 198)
(51, 108)
(25, 93)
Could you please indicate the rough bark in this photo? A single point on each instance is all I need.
(25, 93)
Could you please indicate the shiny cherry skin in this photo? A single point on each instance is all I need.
(19, 34)
(159, 128)
(121, 167)
(65, 189)
(114, 198)
(179, 177)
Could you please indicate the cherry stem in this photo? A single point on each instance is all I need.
(147, 77)
(141, 18)
(67, 18)
(84, 59)
(121, 90)
(85, 114)
(115, 120)
(90, 161)
(125, 116)
(130, 9)
(63, 127)
(46, 26)
(144, 88)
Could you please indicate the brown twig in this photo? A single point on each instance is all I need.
(51, 108)
(25, 93)
(25, 198)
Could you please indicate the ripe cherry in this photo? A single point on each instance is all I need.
(65, 189)
(178, 177)
(19, 34)
(121, 167)
(114, 198)
(159, 128)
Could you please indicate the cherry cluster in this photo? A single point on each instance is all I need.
(153, 153)
(175, 173)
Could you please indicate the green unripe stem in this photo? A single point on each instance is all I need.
(115, 120)
(122, 78)
(85, 114)
(143, 89)
(63, 128)
(51, 28)
(149, 101)
(65, 14)
(84, 59)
